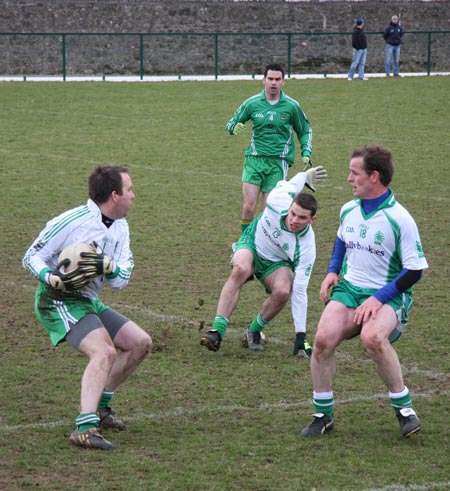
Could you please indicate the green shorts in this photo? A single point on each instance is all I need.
(264, 172)
(353, 296)
(59, 312)
(262, 267)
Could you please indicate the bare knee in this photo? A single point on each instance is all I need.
(281, 295)
(248, 210)
(146, 346)
(324, 343)
(105, 357)
(320, 344)
(372, 342)
(241, 272)
(142, 347)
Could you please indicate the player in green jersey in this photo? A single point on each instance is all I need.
(379, 257)
(114, 344)
(275, 118)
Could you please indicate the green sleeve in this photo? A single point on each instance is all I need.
(304, 132)
(242, 115)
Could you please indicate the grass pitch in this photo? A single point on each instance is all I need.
(201, 421)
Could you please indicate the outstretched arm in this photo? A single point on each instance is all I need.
(309, 178)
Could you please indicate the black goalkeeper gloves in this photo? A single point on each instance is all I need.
(91, 265)
(74, 280)
(96, 263)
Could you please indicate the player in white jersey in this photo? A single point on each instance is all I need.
(379, 257)
(278, 247)
(69, 308)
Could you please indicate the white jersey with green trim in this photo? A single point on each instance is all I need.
(274, 242)
(379, 245)
(82, 224)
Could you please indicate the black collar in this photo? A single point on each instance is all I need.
(107, 221)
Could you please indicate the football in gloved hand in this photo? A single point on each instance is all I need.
(70, 256)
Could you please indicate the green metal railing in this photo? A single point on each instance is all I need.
(289, 38)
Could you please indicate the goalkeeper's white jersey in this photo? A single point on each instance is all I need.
(82, 224)
(379, 245)
(273, 240)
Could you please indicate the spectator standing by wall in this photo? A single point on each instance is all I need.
(393, 37)
(359, 45)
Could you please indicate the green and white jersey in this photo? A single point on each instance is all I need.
(82, 224)
(274, 127)
(273, 240)
(379, 245)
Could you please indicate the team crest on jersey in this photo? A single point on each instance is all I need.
(283, 117)
(419, 249)
(285, 247)
(378, 238)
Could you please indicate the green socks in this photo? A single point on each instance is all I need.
(87, 421)
(258, 324)
(324, 403)
(220, 324)
(105, 400)
(400, 400)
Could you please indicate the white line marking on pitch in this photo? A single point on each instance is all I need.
(412, 487)
(234, 331)
(230, 408)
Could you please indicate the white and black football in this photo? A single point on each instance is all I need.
(73, 253)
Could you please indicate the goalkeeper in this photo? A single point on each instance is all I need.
(275, 118)
(279, 249)
(68, 305)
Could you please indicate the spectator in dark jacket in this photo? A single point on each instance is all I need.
(359, 44)
(393, 37)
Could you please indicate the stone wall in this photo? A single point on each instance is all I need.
(316, 23)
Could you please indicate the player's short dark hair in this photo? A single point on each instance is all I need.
(307, 202)
(104, 180)
(275, 67)
(377, 158)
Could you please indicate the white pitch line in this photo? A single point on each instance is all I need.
(188, 78)
(230, 408)
(234, 332)
(271, 340)
(412, 487)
